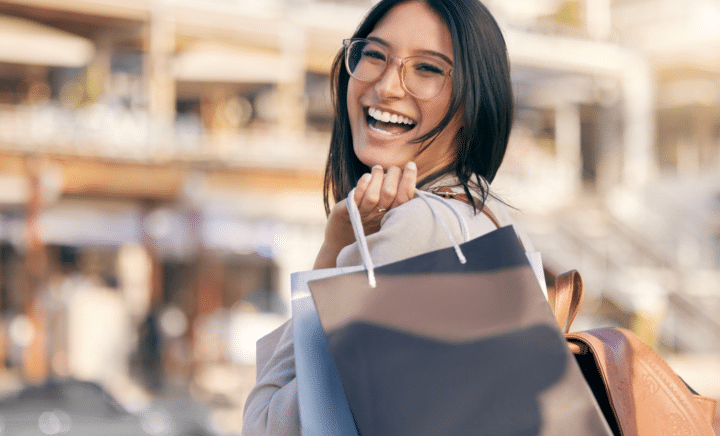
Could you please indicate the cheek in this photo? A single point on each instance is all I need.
(356, 115)
(443, 104)
(352, 105)
(353, 94)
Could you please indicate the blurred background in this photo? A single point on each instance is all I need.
(161, 171)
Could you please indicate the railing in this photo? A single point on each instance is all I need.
(102, 130)
(616, 262)
(690, 325)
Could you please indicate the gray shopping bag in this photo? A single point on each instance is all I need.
(439, 346)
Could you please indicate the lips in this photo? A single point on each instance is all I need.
(388, 123)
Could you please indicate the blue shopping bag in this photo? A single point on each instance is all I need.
(324, 409)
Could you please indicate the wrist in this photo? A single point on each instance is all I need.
(327, 256)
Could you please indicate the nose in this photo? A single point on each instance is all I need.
(390, 85)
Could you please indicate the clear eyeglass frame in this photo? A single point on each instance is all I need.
(423, 88)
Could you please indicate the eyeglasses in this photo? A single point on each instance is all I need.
(421, 76)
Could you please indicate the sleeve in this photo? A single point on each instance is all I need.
(272, 406)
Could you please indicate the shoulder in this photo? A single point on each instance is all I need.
(425, 217)
(412, 229)
(403, 233)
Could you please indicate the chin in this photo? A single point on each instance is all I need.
(383, 162)
(384, 158)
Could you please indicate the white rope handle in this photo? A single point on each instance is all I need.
(463, 226)
(356, 221)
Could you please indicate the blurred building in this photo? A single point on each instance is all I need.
(160, 178)
(170, 153)
(624, 95)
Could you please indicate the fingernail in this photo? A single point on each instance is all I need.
(377, 167)
(411, 165)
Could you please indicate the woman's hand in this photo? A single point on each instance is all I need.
(375, 194)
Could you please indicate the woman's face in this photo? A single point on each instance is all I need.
(408, 29)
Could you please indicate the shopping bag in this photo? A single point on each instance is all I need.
(324, 410)
(459, 341)
(323, 406)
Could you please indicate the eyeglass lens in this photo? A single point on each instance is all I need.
(422, 76)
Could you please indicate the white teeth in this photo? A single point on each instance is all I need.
(387, 117)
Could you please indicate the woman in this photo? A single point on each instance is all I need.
(422, 99)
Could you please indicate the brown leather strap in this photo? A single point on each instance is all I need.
(446, 192)
(566, 298)
(490, 215)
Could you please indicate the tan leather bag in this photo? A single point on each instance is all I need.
(638, 392)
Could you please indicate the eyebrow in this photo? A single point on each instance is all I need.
(426, 52)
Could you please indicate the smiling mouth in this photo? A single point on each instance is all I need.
(387, 123)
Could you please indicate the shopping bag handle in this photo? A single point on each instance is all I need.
(357, 226)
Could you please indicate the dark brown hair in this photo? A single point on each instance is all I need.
(481, 84)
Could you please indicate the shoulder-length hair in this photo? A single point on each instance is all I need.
(481, 84)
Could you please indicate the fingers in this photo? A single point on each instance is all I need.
(371, 194)
(380, 190)
(389, 188)
(361, 187)
(406, 186)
